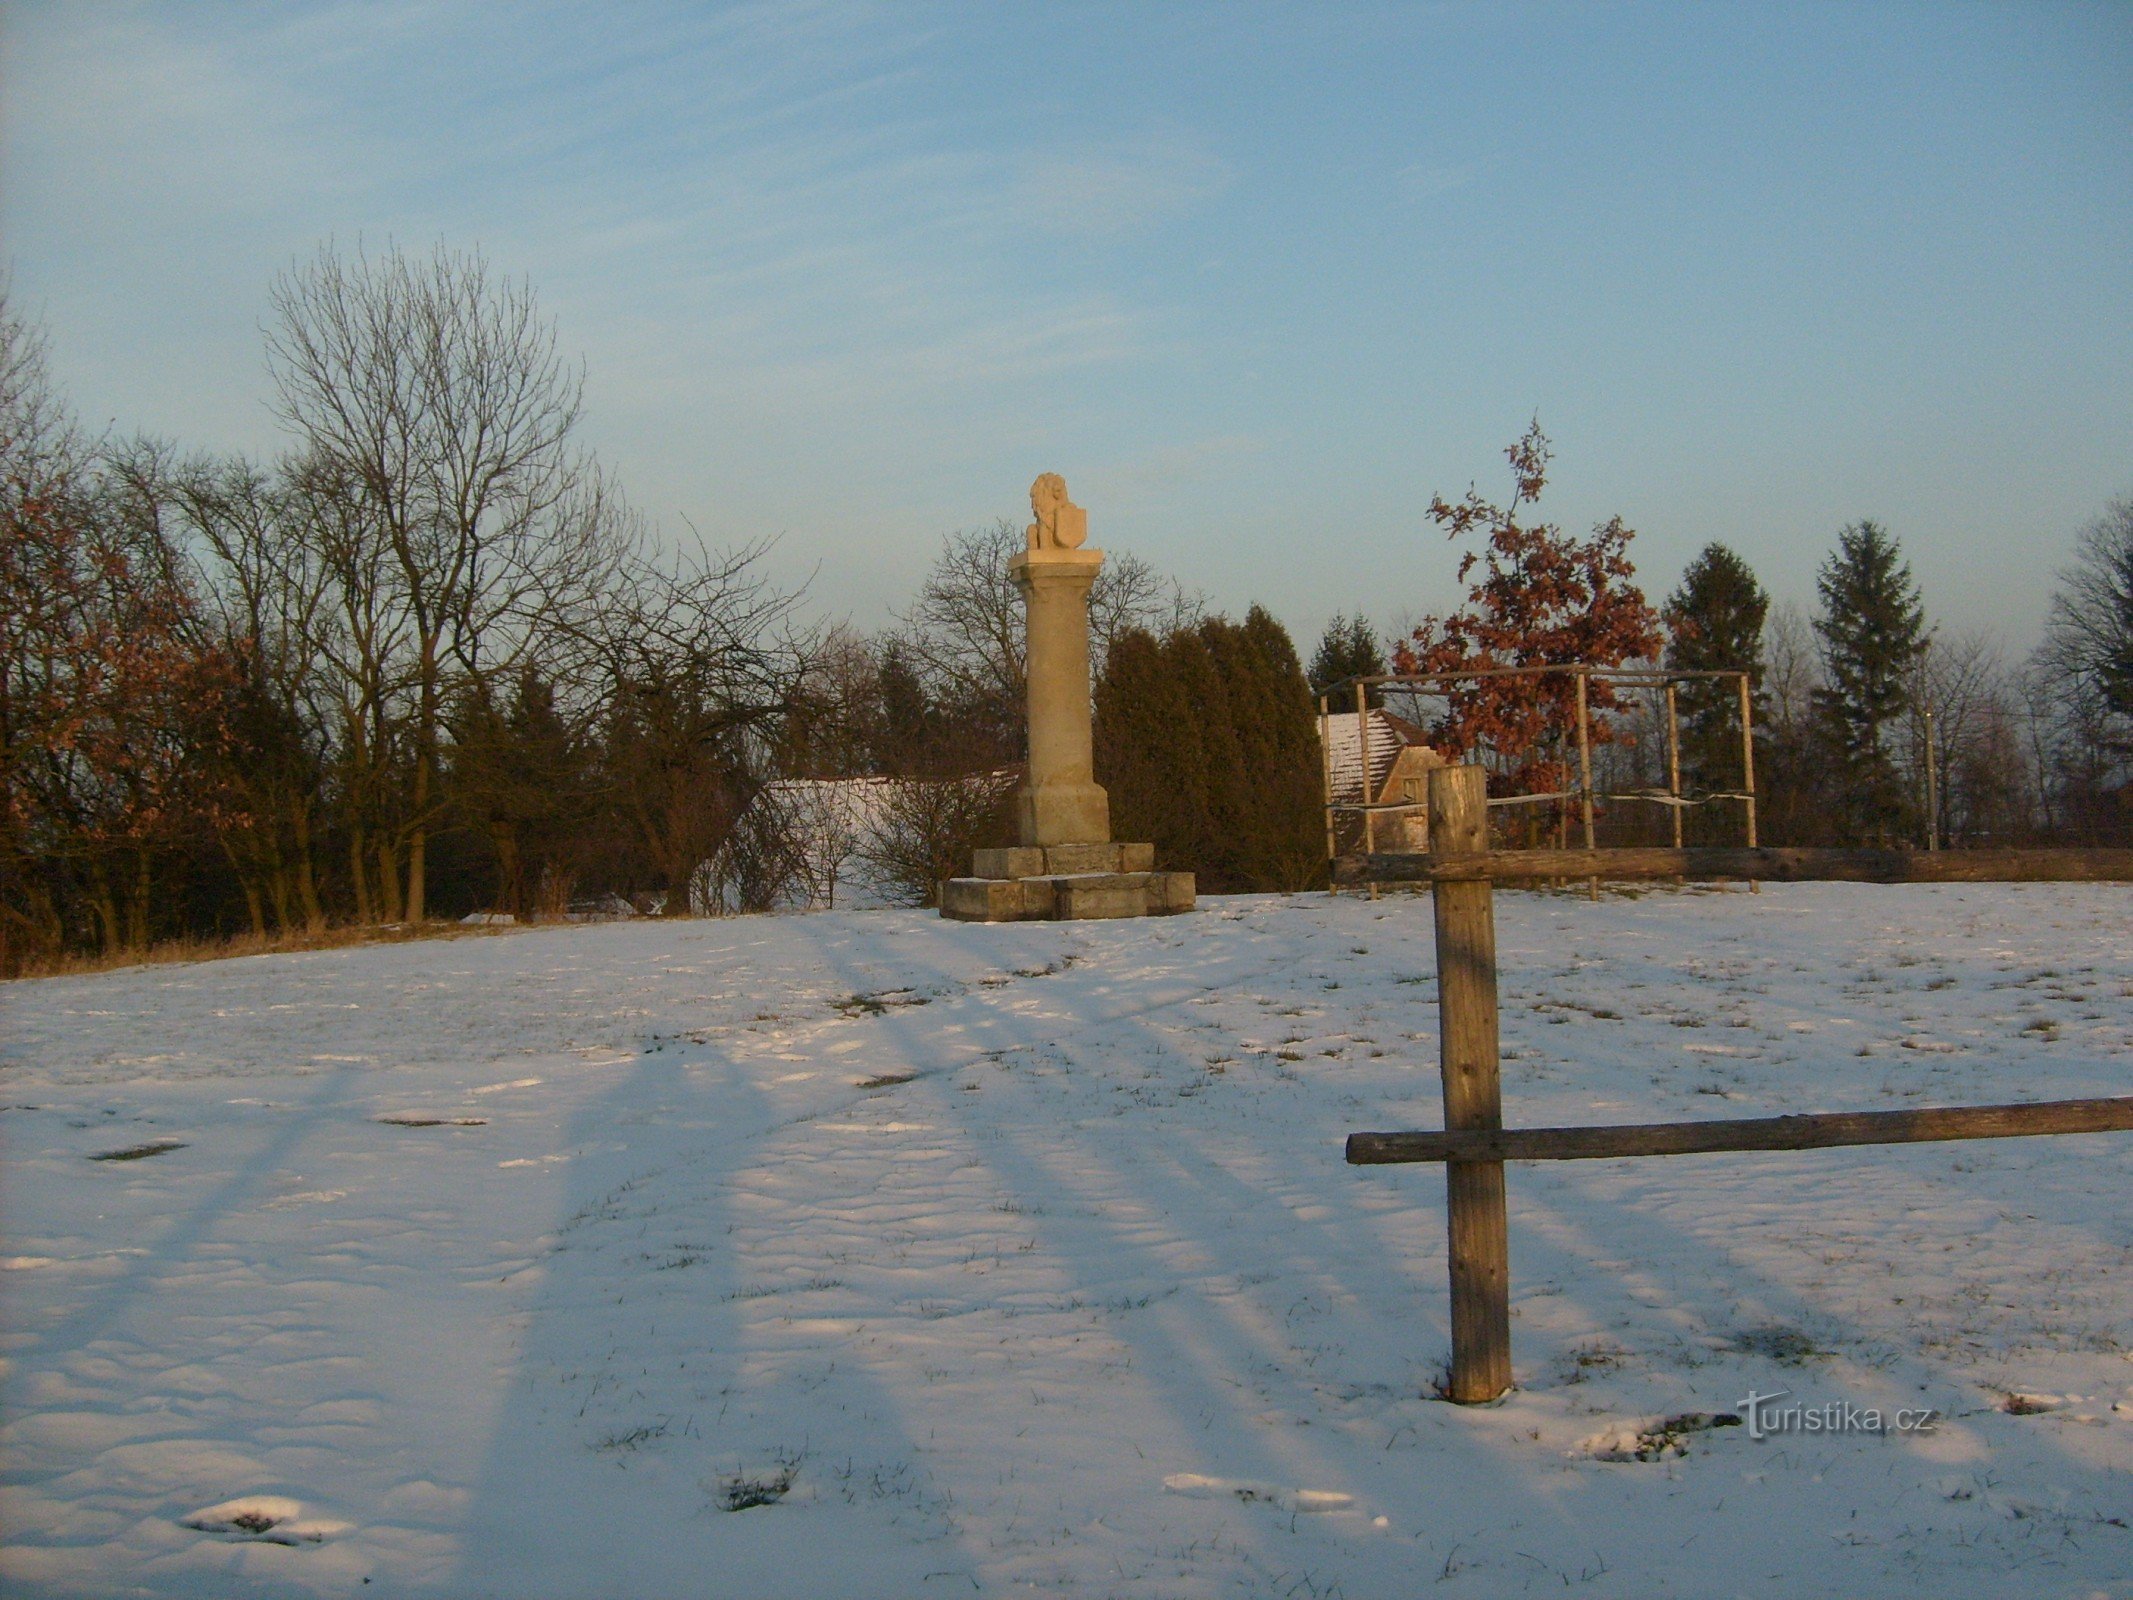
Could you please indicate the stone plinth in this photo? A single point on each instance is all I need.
(1067, 897)
(1054, 861)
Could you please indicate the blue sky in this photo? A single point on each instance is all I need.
(1257, 279)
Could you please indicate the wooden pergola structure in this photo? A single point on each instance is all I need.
(1666, 679)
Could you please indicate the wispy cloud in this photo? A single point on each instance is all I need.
(1181, 465)
(1109, 189)
(1424, 179)
(763, 198)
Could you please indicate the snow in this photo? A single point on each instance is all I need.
(579, 1261)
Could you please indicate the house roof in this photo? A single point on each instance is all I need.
(1345, 752)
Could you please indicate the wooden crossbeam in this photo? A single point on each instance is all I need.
(1820, 1131)
(1764, 865)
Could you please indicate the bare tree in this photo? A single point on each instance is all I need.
(1791, 770)
(836, 725)
(265, 596)
(965, 631)
(1985, 782)
(43, 463)
(926, 828)
(108, 701)
(434, 418)
(2090, 635)
(794, 845)
(700, 663)
(1791, 666)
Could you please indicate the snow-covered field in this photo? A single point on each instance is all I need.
(1003, 1259)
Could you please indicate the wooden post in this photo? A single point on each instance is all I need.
(1473, 1091)
(1932, 788)
(1325, 784)
(1592, 885)
(1362, 750)
(1747, 766)
(1673, 761)
(1585, 757)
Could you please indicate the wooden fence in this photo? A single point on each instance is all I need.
(1475, 1143)
(1753, 865)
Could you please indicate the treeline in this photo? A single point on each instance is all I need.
(1876, 726)
(427, 661)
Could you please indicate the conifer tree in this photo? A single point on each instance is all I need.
(1348, 649)
(1217, 681)
(1714, 623)
(1148, 748)
(905, 735)
(520, 776)
(1282, 749)
(1207, 744)
(1873, 631)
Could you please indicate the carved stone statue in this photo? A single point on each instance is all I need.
(1060, 524)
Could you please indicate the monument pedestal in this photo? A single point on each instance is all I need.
(1062, 813)
(1066, 866)
(1065, 883)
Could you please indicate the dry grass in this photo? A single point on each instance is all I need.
(174, 952)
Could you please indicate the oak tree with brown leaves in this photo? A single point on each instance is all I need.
(1541, 598)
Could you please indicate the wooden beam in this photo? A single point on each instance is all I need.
(1673, 759)
(1651, 676)
(1767, 865)
(1817, 1132)
(1325, 772)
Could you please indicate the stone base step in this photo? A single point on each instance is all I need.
(1066, 896)
(1056, 860)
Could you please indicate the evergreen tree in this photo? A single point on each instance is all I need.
(1873, 631)
(520, 776)
(904, 736)
(1281, 743)
(1714, 623)
(1208, 746)
(1149, 752)
(1348, 649)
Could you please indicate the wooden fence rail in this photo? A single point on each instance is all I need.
(1820, 1131)
(1475, 1144)
(1765, 865)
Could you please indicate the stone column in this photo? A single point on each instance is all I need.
(1062, 803)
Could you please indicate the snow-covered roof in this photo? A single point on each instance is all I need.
(1344, 752)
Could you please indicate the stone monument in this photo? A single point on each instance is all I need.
(1065, 863)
